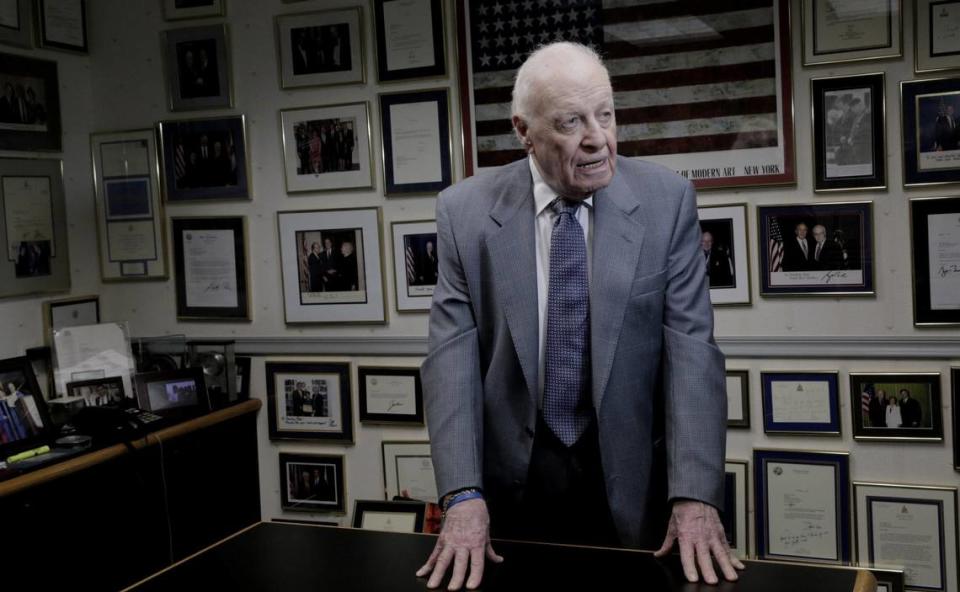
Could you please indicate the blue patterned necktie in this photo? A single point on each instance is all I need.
(566, 406)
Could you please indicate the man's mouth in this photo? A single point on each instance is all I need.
(593, 164)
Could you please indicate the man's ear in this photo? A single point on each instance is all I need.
(523, 132)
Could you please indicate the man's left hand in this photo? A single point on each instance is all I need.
(698, 529)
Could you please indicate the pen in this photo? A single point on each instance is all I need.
(28, 454)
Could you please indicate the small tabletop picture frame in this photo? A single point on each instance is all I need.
(934, 237)
(309, 401)
(212, 274)
(900, 407)
(99, 391)
(723, 241)
(417, 156)
(62, 24)
(24, 420)
(179, 9)
(738, 399)
(931, 133)
(197, 61)
(312, 483)
(835, 32)
(204, 159)
(806, 403)
(16, 24)
(816, 481)
(415, 264)
(390, 395)
(408, 471)
(322, 48)
(735, 515)
(410, 39)
(389, 516)
(936, 46)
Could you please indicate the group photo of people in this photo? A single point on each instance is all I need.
(205, 159)
(19, 416)
(848, 132)
(938, 127)
(33, 259)
(331, 260)
(22, 102)
(197, 71)
(306, 397)
(321, 49)
(824, 243)
(98, 395)
(309, 482)
(326, 146)
(420, 252)
(896, 406)
(716, 244)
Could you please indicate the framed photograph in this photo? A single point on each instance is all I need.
(735, 515)
(935, 242)
(723, 239)
(901, 407)
(931, 136)
(16, 23)
(410, 39)
(63, 24)
(327, 148)
(802, 505)
(242, 365)
(725, 123)
(210, 257)
(99, 391)
(188, 9)
(332, 266)
(849, 145)
(312, 483)
(393, 516)
(408, 471)
(130, 220)
(204, 159)
(24, 420)
(390, 395)
(911, 526)
(415, 262)
(309, 401)
(321, 48)
(198, 68)
(33, 227)
(70, 312)
(738, 399)
(937, 45)
(86, 352)
(29, 104)
(173, 393)
(805, 403)
(824, 248)
(846, 32)
(955, 410)
(416, 141)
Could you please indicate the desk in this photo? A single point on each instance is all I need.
(295, 558)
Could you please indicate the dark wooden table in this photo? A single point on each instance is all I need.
(293, 558)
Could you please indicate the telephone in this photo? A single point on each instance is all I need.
(109, 424)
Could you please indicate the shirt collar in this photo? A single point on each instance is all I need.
(543, 194)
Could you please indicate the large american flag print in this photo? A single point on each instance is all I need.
(690, 77)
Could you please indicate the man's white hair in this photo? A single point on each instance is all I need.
(533, 66)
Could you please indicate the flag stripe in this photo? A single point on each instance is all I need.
(625, 13)
(732, 38)
(687, 27)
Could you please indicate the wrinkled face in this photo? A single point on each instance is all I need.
(346, 249)
(819, 234)
(572, 132)
(801, 231)
(706, 241)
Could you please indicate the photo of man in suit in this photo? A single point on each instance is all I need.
(827, 254)
(945, 129)
(717, 260)
(798, 249)
(573, 389)
(910, 412)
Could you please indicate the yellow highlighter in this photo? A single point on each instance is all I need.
(28, 454)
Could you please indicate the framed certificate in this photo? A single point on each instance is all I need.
(390, 395)
(801, 403)
(931, 143)
(321, 48)
(851, 31)
(16, 23)
(210, 256)
(937, 35)
(735, 506)
(901, 407)
(198, 68)
(70, 312)
(802, 505)
(910, 526)
(416, 142)
(389, 516)
(309, 401)
(408, 471)
(935, 241)
(738, 399)
(849, 145)
(181, 9)
(410, 39)
(63, 24)
(723, 241)
(415, 264)
(312, 483)
(130, 221)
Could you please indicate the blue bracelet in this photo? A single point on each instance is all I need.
(462, 497)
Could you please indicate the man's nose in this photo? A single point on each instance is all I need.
(592, 134)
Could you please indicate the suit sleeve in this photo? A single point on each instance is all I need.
(451, 371)
(695, 403)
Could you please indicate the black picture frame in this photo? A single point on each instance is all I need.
(150, 397)
(391, 184)
(297, 424)
(924, 388)
(849, 270)
(20, 33)
(326, 496)
(115, 394)
(19, 426)
(955, 412)
(418, 509)
(198, 68)
(849, 139)
(439, 67)
(743, 396)
(367, 374)
(925, 160)
(183, 138)
(924, 311)
(45, 9)
(184, 230)
(43, 130)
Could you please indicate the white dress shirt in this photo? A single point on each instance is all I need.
(543, 196)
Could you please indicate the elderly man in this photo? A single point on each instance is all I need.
(573, 385)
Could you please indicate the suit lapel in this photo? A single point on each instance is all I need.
(617, 241)
(512, 248)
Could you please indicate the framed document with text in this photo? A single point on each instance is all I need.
(724, 240)
(801, 403)
(899, 407)
(408, 471)
(738, 399)
(911, 526)
(16, 23)
(70, 312)
(62, 24)
(390, 395)
(935, 238)
(416, 142)
(312, 483)
(931, 150)
(309, 401)
(130, 221)
(389, 516)
(735, 506)
(410, 39)
(802, 505)
(847, 31)
(937, 35)
(210, 256)
(190, 9)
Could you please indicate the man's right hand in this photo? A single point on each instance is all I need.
(465, 541)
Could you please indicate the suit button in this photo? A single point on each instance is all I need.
(529, 431)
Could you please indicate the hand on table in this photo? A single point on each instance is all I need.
(697, 527)
(464, 540)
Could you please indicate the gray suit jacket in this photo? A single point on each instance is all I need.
(651, 328)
